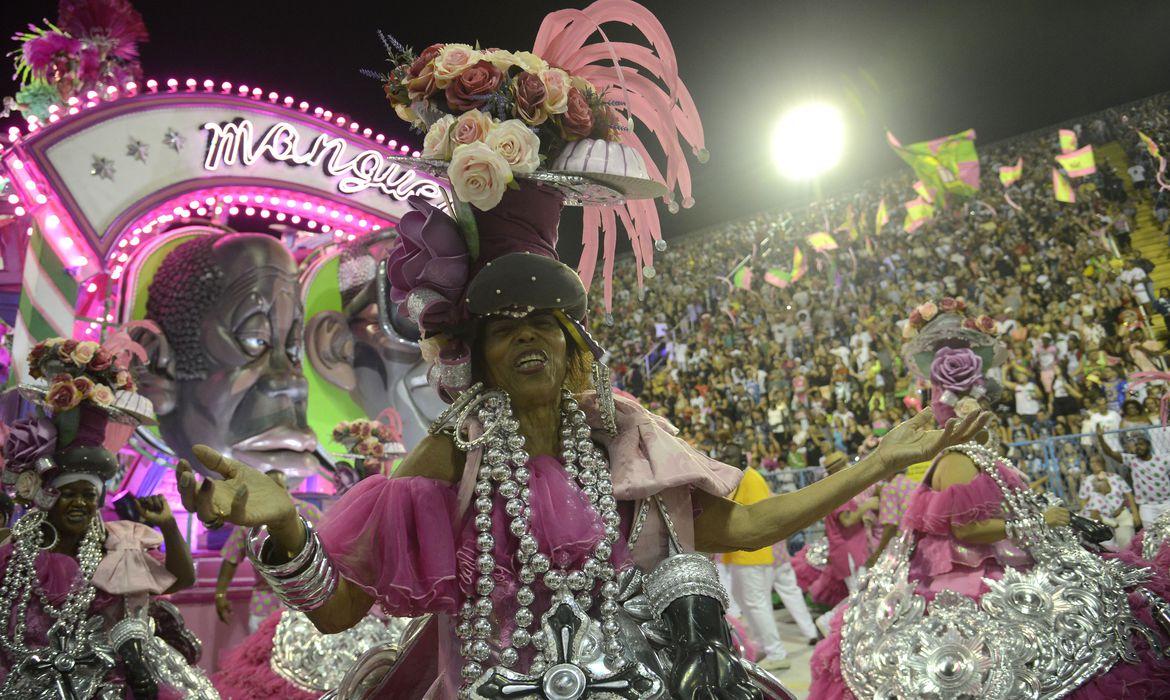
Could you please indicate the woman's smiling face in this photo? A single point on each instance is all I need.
(526, 357)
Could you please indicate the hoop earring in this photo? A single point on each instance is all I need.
(53, 530)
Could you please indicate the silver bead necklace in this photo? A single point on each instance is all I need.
(504, 471)
(20, 581)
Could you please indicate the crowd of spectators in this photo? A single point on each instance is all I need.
(777, 377)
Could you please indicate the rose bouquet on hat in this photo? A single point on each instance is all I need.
(372, 448)
(86, 410)
(952, 350)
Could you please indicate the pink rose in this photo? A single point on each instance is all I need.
(471, 127)
(970, 324)
(948, 305)
(957, 370)
(577, 121)
(63, 396)
(928, 311)
(529, 94)
(451, 60)
(471, 88)
(84, 352)
(65, 350)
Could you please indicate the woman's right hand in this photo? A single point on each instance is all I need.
(223, 608)
(244, 497)
(1057, 516)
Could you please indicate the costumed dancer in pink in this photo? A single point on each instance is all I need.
(978, 543)
(75, 589)
(543, 522)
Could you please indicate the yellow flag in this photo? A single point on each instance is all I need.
(1061, 187)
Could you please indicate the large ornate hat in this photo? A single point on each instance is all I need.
(520, 135)
(87, 408)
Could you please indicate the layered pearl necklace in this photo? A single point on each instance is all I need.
(20, 580)
(504, 471)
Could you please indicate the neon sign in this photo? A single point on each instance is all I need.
(234, 142)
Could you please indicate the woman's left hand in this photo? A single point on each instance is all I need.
(155, 510)
(918, 440)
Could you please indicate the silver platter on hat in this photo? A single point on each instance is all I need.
(579, 189)
(129, 407)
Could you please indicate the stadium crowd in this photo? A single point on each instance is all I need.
(777, 378)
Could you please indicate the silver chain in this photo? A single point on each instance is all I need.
(504, 474)
(20, 582)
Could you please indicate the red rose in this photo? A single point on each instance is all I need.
(948, 305)
(577, 121)
(84, 385)
(64, 350)
(962, 305)
(915, 318)
(102, 360)
(970, 324)
(422, 86)
(423, 59)
(63, 396)
(529, 93)
(467, 92)
(987, 324)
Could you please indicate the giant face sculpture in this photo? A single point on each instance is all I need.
(378, 363)
(225, 358)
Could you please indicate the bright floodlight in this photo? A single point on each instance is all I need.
(808, 140)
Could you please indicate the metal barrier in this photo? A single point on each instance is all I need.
(1040, 458)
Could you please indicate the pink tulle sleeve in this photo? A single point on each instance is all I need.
(936, 512)
(394, 539)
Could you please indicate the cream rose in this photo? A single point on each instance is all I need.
(556, 86)
(437, 142)
(27, 485)
(471, 127)
(479, 175)
(499, 58)
(928, 310)
(529, 61)
(84, 352)
(101, 394)
(516, 143)
(452, 60)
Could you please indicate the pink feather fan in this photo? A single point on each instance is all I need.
(645, 82)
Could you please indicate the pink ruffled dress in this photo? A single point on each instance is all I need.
(130, 572)
(942, 562)
(410, 542)
(849, 547)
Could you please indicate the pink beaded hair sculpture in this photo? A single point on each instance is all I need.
(954, 352)
(86, 410)
(519, 135)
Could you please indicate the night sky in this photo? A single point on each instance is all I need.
(923, 69)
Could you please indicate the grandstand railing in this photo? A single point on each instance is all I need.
(1040, 458)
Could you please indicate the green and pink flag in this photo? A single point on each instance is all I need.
(1009, 174)
(947, 165)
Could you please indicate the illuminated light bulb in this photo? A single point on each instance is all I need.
(152, 84)
(257, 92)
(116, 273)
(303, 106)
(19, 165)
(353, 127)
(225, 86)
(218, 210)
(82, 262)
(201, 211)
(208, 85)
(74, 110)
(290, 203)
(288, 101)
(193, 203)
(311, 224)
(53, 118)
(66, 242)
(392, 143)
(228, 199)
(123, 257)
(32, 127)
(131, 86)
(320, 209)
(405, 149)
(273, 97)
(376, 228)
(53, 109)
(415, 154)
(280, 216)
(42, 199)
(135, 240)
(209, 201)
(307, 206)
(122, 243)
(111, 90)
(350, 237)
(349, 218)
(363, 223)
(30, 185)
(334, 214)
(341, 121)
(109, 317)
(264, 214)
(318, 111)
(327, 114)
(91, 95)
(367, 131)
(295, 219)
(274, 201)
(380, 138)
(191, 83)
(19, 211)
(28, 231)
(53, 221)
(325, 228)
(244, 199)
(13, 199)
(72, 101)
(234, 210)
(250, 211)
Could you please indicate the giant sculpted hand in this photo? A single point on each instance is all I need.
(243, 497)
(918, 440)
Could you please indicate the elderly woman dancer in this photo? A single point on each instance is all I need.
(973, 595)
(551, 529)
(75, 589)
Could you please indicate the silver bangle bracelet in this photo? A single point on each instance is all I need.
(304, 583)
(683, 575)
